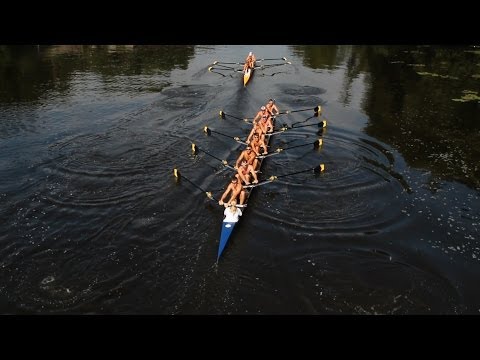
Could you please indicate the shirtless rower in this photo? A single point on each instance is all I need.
(235, 188)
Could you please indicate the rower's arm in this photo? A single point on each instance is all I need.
(222, 199)
(239, 160)
(249, 138)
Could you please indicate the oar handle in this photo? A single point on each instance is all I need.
(257, 184)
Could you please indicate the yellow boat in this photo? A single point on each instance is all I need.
(247, 75)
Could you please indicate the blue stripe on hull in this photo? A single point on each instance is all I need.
(227, 228)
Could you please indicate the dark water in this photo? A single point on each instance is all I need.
(94, 222)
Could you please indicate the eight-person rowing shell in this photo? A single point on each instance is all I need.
(242, 183)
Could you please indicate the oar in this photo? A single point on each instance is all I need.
(316, 144)
(223, 114)
(177, 175)
(208, 131)
(195, 150)
(321, 124)
(316, 109)
(285, 127)
(283, 58)
(215, 72)
(316, 170)
(230, 63)
(272, 65)
(227, 68)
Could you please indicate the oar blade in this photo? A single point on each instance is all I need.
(319, 169)
(176, 173)
(318, 143)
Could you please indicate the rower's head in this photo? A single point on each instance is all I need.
(233, 203)
(271, 101)
(263, 108)
(244, 163)
(234, 180)
(248, 148)
(255, 135)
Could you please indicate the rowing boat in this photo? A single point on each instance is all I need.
(218, 66)
(246, 75)
(227, 227)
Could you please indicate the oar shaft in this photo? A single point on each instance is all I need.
(226, 67)
(293, 111)
(295, 173)
(315, 109)
(216, 72)
(233, 116)
(272, 65)
(236, 138)
(230, 63)
(224, 162)
(283, 58)
(301, 126)
(219, 133)
(209, 194)
(206, 152)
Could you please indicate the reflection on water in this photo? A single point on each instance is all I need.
(411, 109)
(93, 221)
(29, 71)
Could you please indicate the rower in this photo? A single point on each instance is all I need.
(271, 107)
(258, 144)
(258, 128)
(235, 188)
(249, 61)
(248, 154)
(245, 171)
(264, 118)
